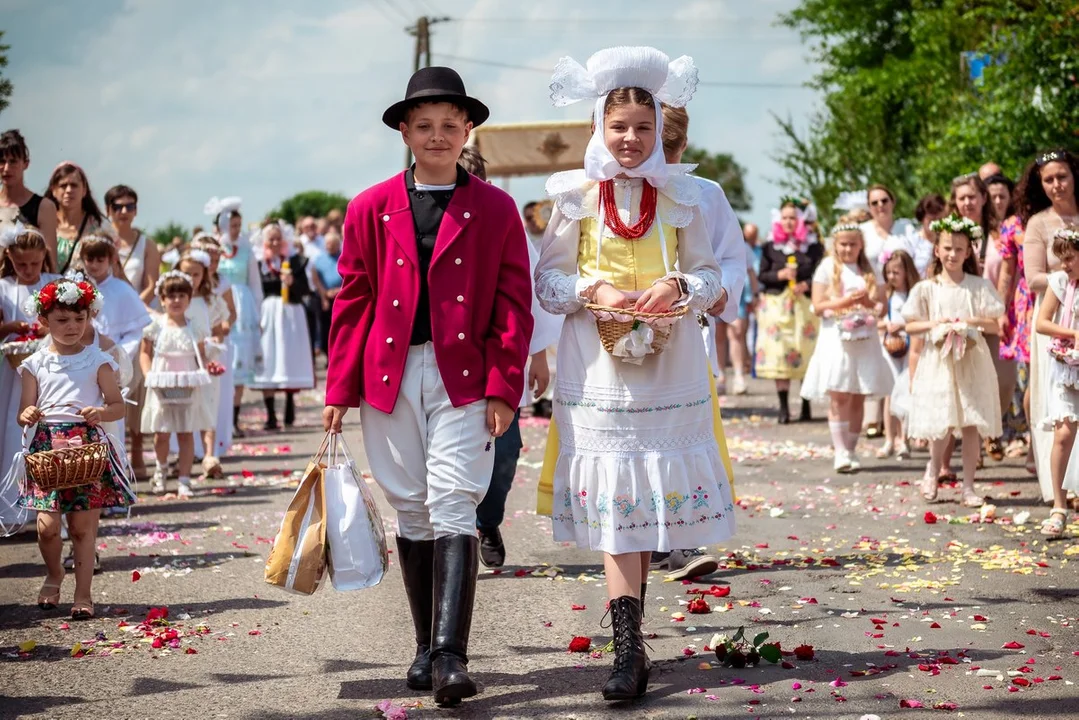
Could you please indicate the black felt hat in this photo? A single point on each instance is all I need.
(436, 84)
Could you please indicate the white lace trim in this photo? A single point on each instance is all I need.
(177, 379)
(90, 356)
(559, 293)
(632, 445)
(705, 285)
(577, 197)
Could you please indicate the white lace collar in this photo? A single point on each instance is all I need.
(79, 361)
(577, 196)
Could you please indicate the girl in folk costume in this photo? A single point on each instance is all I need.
(222, 339)
(287, 363)
(172, 355)
(429, 339)
(953, 387)
(239, 267)
(68, 390)
(900, 275)
(1059, 319)
(786, 326)
(26, 263)
(639, 468)
(207, 309)
(847, 365)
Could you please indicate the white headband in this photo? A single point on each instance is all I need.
(200, 256)
(172, 274)
(12, 233)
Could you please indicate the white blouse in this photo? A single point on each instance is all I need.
(67, 383)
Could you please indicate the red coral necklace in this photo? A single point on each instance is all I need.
(613, 220)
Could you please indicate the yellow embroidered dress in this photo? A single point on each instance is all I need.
(638, 464)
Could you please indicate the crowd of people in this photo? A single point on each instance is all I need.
(953, 329)
(435, 307)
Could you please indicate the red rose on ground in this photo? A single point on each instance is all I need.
(157, 613)
(580, 644)
(804, 652)
(698, 606)
(930, 518)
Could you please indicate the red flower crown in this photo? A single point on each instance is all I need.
(80, 295)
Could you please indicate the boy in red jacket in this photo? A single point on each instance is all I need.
(429, 338)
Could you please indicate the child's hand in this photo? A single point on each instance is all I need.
(659, 297)
(894, 328)
(609, 296)
(788, 274)
(539, 374)
(30, 415)
(1075, 337)
(286, 278)
(499, 416)
(92, 415)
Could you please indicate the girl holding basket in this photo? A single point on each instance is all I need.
(68, 390)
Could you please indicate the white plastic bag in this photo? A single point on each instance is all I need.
(355, 537)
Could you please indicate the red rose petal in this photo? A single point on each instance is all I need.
(1013, 645)
(135, 576)
(578, 607)
(907, 703)
(930, 519)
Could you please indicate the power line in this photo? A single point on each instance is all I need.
(547, 71)
(397, 9)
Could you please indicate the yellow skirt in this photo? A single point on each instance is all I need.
(545, 494)
(786, 335)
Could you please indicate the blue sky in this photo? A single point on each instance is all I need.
(185, 100)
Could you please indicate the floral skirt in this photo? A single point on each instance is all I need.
(786, 335)
(103, 493)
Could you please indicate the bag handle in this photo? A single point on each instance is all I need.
(337, 445)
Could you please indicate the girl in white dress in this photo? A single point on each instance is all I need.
(207, 309)
(26, 262)
(172, 361)
(222, 339)
(846, 366)
(638, 466)
(1058, 318)
(900, 275)
(954, 388)
(68, 391)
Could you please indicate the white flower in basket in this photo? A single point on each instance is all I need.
(953, 338)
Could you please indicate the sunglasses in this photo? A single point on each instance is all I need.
(127, 207)
(880, 203)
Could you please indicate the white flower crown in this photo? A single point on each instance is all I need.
(846, 227)
(169, 275)
(12, 233)
(954, 223)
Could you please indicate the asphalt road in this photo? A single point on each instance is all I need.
(897, 610)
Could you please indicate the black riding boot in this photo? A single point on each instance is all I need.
(271, 414)
(236, 431)
(456, 563)
(629, 678)
(290, 409)
(784, 407)
(417, 567)
(807, 413)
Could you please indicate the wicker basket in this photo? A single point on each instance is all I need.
(175, 395)
(68, 467)
(15, 359)
(611, 331)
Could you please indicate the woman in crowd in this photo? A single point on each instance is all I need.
(1047, 200)
(327, 283)
(77, 213)
(138, 258)
(18, 202)
(788, 327)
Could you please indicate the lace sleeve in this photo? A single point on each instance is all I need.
(559, 288)
(697, 263)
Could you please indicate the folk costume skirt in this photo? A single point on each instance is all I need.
(786, 335)
(287, 362)
(638, 467)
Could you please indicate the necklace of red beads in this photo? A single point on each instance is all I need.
(613, 220)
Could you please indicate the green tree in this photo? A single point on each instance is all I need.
(5, 84)
(900, 106)
(725, 170)
(164, 235)
(312, 202)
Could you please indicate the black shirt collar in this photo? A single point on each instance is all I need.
(410, 177)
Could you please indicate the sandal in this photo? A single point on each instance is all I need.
(1053, 526)
(886, 450)
(902, 452)
(971, 499)
(82, 611)
(993, 449)
(930, 486)
(875, 431)
(48, 602)
(946, 475)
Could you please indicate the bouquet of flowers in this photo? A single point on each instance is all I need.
(953, 337)
(856, 324)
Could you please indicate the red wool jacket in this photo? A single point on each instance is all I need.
(480, 290)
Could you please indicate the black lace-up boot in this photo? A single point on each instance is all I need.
(629, 678)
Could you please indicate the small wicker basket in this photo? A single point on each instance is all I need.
(611, 331)
(175, 395)
(15, 360)
(68, 467)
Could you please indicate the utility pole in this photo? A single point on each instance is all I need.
(422, 32)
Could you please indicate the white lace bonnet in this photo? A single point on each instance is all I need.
(670, 82)
(222, 208)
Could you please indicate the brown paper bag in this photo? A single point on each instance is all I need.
(298, 558)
